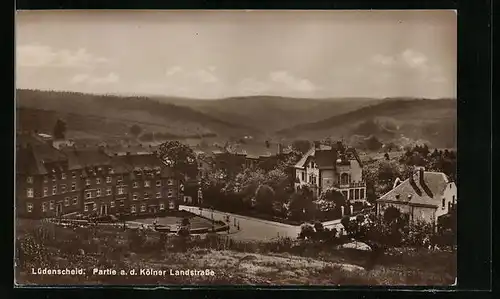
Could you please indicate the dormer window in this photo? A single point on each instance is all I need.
(29, 180)
(111, 171)
(63, 176)
(397, 196)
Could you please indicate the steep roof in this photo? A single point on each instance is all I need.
(431, 195)
(303, 160)
(33, 154)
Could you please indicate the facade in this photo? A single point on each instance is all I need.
(52, 182)
(424, 196)
(332, 166)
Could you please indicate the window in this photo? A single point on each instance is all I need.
(147, 183)
(119, 179)
(87, 182)
(356, 194)
(108, 191)
(170, 182)
(158, 194)
(94, 207)
(135, 185)
(98, 192)
(143, 208)
(111, 171)
(29, 180)
(75, 201)
(63, 188)
(170, 192)
(158, 183)
(53, 178)
(132, 209)
(120, 190)
(108, 179)
(54, 190)
(453, 200)
(112, 204)
(29, 192)
(98, 181)
(443, 203)
(362, 195)
(29, 207)
(66, 201)
(86, 208)
(146, 195)
(51, 205)
(45, 191)
(134, 197)
(171, 205)
(73, 186)
(73, 175)
(63, 176)
(303, 176)
(45, 179)
(162, 206)
(344, 179)
(44, 207)
(88, 194)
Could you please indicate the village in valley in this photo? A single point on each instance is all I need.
(296, 148)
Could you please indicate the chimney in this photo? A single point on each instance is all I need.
(280, 148)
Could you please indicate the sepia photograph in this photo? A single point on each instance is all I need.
(235, 147)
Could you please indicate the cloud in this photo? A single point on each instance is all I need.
(173, 70)
(95, 80)
(292, 82)
(177, 73)
(414, 59)
(35, 55)
(252, 86)
(383, 60)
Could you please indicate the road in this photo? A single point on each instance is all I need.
(250, 228)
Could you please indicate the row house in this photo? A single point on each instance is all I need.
(46, 184)
(332, 166)
(52, 182)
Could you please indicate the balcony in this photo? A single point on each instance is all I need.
(350, 185)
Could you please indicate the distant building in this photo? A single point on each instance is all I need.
(424, 196)
(332, 166)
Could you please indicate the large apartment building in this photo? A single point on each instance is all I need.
(51, 182)
(332, 166)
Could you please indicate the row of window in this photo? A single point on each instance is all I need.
(29, 180)
(133, 208)
(62, 187)
(46, 206)
(97, 193)
(354, 194)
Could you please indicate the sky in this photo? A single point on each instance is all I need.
(217, 54)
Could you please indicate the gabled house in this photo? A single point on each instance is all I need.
(424, 196)
(332, 166)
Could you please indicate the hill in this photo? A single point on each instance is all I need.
(433, 121)
(113, 115)
(271, 113)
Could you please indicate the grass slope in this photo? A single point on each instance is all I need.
(114, 114)
(430, 120)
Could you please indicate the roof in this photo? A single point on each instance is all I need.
(85, 157)
(435, 181)
(33, 154)
(303, 160)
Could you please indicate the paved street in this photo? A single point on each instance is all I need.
(251, 228)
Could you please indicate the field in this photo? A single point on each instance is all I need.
(282, 262)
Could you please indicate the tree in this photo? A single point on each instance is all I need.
(301, 146)
(264, 196)
(301, 205)
(391, 214)
(60, 129)
(135, 130)
(180, 157)
(372, 143)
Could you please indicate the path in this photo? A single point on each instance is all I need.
(251, 228)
